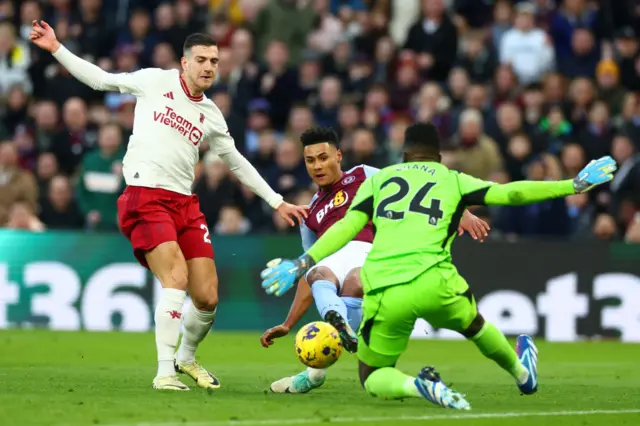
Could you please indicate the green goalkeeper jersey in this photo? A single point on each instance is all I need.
(416, 209)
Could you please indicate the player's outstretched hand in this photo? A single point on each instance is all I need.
(289, 211)
(282, 274)
(43, 36)
(476, 227)
(595, 173)
(276, 332)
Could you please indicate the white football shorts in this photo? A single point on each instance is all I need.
(344, 260)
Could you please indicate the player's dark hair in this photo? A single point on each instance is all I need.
(319, 134)
(422, 142)
(197, 39)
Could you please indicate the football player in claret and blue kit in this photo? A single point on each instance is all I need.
(334, 284)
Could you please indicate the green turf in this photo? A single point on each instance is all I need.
(53, 378)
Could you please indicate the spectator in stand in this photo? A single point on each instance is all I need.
(21, 217)
(609, 89)
(626, 183)
(78, 136)
(626, 50)
(435, 40)
(583, 58)
(526, 48)
(59, 210)
(597, 135)
(16, 185)
(100, 182)
(289, 174)
(502, 18)
(257, 122)
(284, 21)
(477, 58)
(277, 83)
(14, 59)
(215, 188)
(572, 15)
(364, 151)
(351, 64)
(475, 153)
(46, 169)
(232, 222)
(326, 112)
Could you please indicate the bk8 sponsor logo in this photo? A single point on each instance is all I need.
(338, 200)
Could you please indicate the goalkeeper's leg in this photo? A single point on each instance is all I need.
(460, 313)
(522, 365)
(389, 317)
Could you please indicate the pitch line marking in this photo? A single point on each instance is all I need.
(386, 419)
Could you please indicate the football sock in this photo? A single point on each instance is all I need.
(168, 316)
(325, 294)
(495, 346)
(354, 311)
(197, 324)
(390, 383)
(316, 374)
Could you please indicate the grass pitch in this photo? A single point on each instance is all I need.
(55, 378)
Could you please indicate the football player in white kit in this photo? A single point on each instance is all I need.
(157, 211)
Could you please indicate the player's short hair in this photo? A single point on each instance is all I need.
(319, 134)
(422, 135)
(197, 39)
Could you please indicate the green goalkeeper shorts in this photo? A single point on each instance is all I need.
(440, 296)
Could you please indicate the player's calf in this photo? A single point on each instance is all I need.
(203, 288)
(167, 263)
(494, 345)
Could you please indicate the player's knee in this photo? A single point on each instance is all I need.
(352, 286)
(206, 300)
(321, 273)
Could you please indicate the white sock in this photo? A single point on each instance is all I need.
(168, 318)
(521, 374)
(316, 374)
(196, 326)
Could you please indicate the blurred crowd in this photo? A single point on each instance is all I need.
(518, 89)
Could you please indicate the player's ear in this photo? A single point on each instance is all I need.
(183, 63)
(339, 155)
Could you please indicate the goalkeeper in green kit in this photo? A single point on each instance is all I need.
(415, 208)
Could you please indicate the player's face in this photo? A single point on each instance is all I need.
(323, 163)
(201, 66)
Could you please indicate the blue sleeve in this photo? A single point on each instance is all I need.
(369, 171)
(308, 237)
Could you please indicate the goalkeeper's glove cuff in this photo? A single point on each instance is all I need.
(580, 186)
(306, 262)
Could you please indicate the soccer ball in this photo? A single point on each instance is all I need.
(318, 345)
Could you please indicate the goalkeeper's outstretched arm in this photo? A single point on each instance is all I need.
(477, 192)
(519, 193)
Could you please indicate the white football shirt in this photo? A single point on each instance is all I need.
(169, 126)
